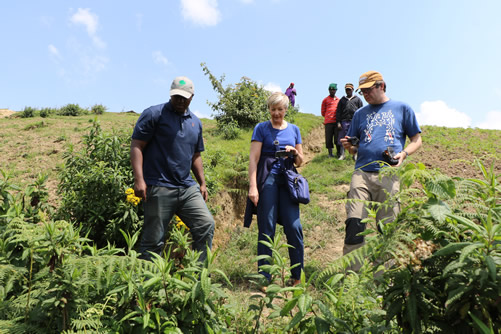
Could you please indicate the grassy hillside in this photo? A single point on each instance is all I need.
(38, 145)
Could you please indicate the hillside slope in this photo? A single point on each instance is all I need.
(37, 145)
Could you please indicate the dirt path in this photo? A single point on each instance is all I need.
(323, 243)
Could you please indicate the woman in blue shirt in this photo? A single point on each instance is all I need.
(267, 188)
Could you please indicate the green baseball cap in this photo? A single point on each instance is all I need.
(333, 86)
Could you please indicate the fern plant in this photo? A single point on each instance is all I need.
(446, 288)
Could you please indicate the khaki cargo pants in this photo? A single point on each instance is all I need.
(368, 186)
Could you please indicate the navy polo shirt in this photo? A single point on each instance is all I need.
(172, 139)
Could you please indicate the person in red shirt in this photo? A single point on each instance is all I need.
(329, 107)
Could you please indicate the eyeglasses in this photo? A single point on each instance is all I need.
(367, 90)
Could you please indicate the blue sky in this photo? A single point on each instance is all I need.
(441, 57)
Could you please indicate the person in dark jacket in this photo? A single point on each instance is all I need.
(346, 107)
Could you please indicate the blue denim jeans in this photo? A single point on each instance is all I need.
(275, 205)
(188, 204)
(345, 126)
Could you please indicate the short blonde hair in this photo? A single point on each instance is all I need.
(278, 98)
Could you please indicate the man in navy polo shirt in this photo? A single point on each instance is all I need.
(166, 145)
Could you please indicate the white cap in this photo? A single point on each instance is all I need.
(182, 86)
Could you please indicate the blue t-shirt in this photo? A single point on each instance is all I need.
(380, 126)
(172, 139)
(274, 139)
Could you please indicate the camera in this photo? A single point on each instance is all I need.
(388, 155)
(353, 141)
(283, 154)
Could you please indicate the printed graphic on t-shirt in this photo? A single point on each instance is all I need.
(376, 120)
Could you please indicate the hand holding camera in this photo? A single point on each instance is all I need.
(388, 156)
(283, 154)
(353, 141)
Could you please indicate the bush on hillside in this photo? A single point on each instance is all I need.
(46, 112)
(98, 109)
(72, 110)
(28, 112)
(243, 104)
(93, 187)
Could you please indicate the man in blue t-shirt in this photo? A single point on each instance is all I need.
(382, 125)
(166, 145)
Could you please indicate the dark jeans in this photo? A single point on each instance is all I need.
(331, 137)
(345, 126)
(188, 204)
(275, 204)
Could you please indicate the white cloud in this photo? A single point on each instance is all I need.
(201, 115)
(86, 18)
(272, 87)
(201, 12)
(492, 121)
(159, 58)
(54, 52)
(91, 22)
(439, 114)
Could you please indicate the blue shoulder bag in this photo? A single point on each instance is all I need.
(299, 190)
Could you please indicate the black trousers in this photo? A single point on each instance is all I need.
(331, 137)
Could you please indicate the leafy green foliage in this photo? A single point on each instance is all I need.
(441, 255)
(344, 303)
(30, 203)
(53, 281)
(28, 112)
(72, 109)
(46, 112)
(67, 110)
(435, 269)
(93, 185)
(98, 109)
(240, 106)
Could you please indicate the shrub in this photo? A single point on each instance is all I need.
(98, 109)
(93, 187)
(229, 130)
(72, 110)
(46, 112)
(28, 112)
(243, 105)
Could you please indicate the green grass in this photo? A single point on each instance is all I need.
(228, 160)
(474, 141)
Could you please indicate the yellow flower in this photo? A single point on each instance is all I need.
(131, 198)
(180, 224)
